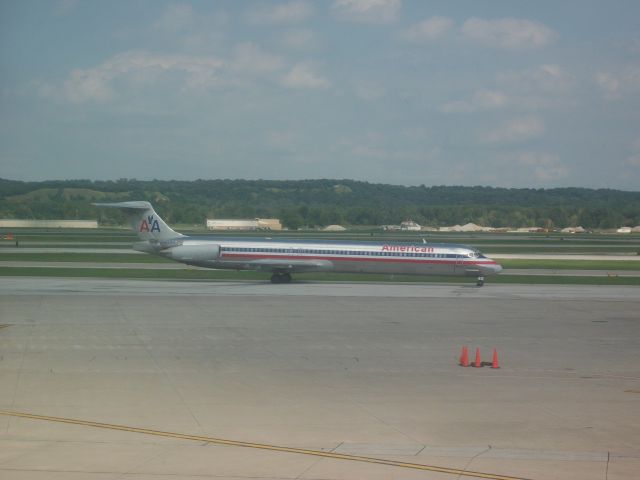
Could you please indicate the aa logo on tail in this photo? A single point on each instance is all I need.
(149, 225)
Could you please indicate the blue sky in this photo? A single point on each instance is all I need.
(501, 93)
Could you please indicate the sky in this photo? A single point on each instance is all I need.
(505, 93)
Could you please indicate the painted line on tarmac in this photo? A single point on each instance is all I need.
(262, 446)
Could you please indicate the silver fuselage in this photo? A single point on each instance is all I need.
(338, 256)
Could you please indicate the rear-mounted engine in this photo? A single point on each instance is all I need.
(194, 253)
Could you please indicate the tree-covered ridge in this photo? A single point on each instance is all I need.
(322, 202)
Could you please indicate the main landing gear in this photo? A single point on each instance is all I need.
(280, 278)
(480, 281)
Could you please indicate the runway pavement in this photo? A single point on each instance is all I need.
(180, 266)
(146, 288)
(350, 369)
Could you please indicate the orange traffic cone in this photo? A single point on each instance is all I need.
(478, 362)
(464, 357)
(495, 363)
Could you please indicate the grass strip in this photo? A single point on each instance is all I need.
(85, 257)
(74, 238)
(562, 264)
(561, 249)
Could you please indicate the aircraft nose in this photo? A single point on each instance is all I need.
(492, 268)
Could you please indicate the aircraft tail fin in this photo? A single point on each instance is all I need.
(144, 220)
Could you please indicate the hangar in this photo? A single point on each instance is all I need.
(14, 223)
(239, 224)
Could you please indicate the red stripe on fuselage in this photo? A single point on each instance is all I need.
(444, 261)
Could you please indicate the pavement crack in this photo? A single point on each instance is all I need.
(468, 464)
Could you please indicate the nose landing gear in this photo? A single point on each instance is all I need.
(280, 278)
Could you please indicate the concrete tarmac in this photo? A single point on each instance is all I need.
(180, 266)
(356, 369)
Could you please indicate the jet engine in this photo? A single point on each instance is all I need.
(194, 253)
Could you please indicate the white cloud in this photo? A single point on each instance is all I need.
(85, 85)
(428, 30)
(302, 75)
(617, 84)
(546, 86)
(96, 84)
(609, 84)
(508, 33)
(516, 130)
(544, 166)
(249, 58)
(367, 11)
(544, 78)
(131, 70)
(482, 100)
(281, 14)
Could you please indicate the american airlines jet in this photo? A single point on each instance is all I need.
(282, 257)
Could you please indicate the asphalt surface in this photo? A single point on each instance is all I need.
(352, 369)
(179, 266)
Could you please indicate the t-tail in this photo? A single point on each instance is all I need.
(146, 223)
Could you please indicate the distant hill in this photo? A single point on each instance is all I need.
(324, 202)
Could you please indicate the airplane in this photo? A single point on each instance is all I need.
(283, 257)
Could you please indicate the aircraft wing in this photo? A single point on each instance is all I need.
(288, 265)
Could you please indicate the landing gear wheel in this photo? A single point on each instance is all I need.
(280, 278)
(480, 281)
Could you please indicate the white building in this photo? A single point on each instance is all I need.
(468, 227)
(624, 230)
(238, 224)
(11, 223)
(573, 230)
(528, 230)
(410, 225)
(472, 227)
